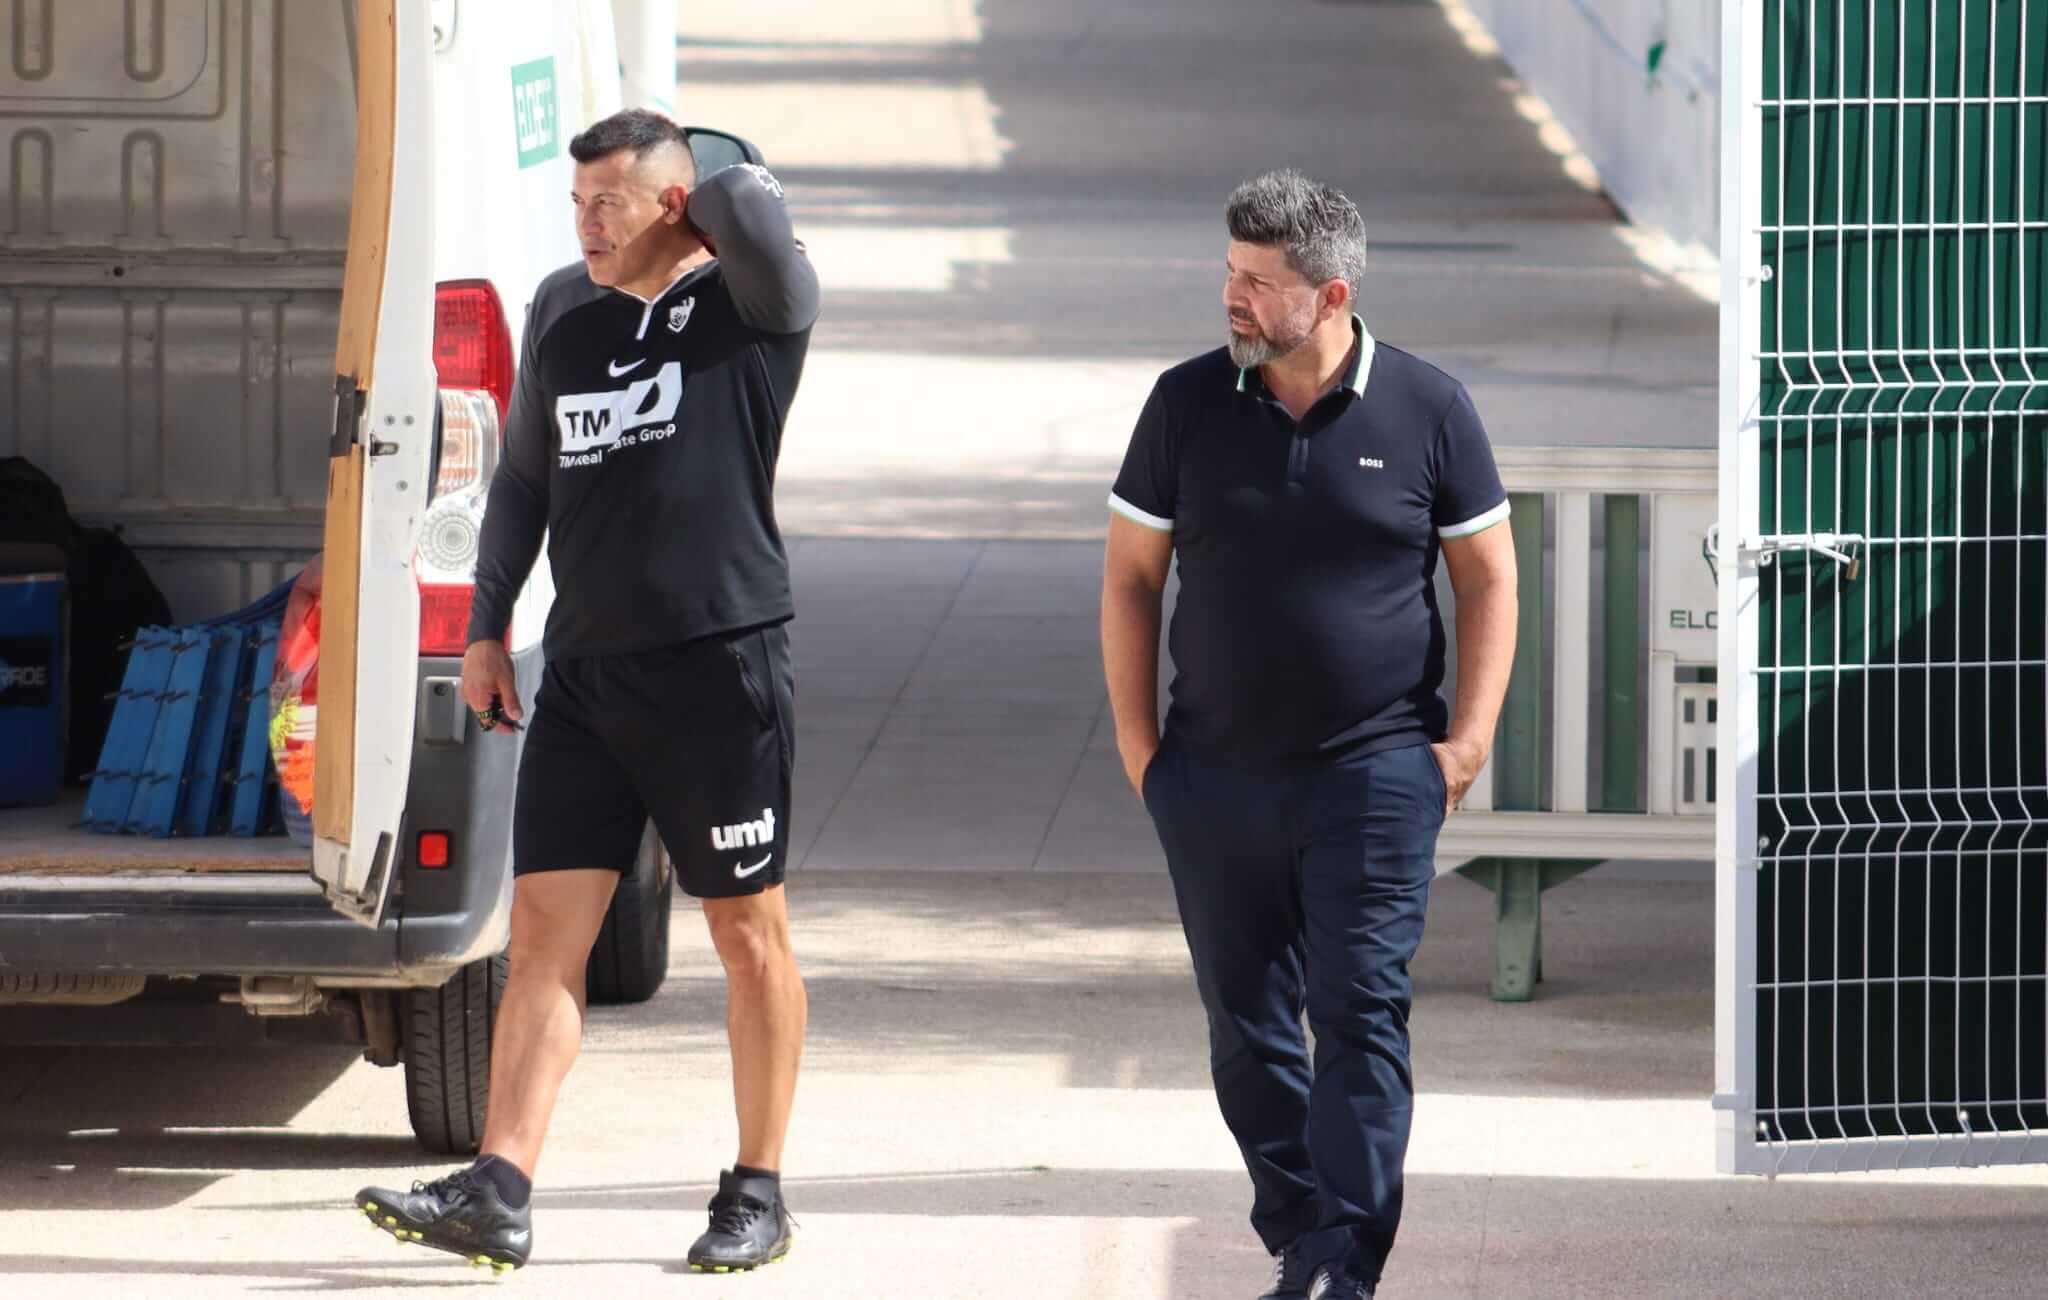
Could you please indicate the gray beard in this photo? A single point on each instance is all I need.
(1249, 353)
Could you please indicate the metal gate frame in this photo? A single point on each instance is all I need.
(1744, 1141)
(1735, 826)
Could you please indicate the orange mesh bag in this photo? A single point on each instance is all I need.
(294, 703)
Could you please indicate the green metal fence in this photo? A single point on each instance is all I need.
(1893, 989)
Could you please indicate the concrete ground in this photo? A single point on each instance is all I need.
(1016, 204)
(1017, 209)
(1005, 1097)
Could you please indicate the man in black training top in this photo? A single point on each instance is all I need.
(646, 421)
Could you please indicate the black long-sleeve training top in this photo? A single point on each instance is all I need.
(643, 437)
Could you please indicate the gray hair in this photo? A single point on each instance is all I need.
(1318, 226)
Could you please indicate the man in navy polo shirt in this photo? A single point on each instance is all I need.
(1308, 478)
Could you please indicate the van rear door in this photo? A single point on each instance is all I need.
(379, 460)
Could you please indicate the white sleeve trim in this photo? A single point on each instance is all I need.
(1137, 516)
(1476, 524)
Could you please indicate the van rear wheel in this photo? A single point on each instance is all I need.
(630, 959)
(447, 1038)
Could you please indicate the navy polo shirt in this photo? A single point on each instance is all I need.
(1307, 624)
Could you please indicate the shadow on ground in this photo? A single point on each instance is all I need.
(1542, 1237)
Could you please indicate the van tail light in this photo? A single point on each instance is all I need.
(472, 346)
(444, 617)
(473, 358)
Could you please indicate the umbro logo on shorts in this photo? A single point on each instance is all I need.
(746, 834)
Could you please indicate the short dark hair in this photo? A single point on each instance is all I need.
(638, 130)
(1320, 228)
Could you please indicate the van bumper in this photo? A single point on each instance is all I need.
(189, 924)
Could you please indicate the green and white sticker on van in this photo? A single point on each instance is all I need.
(536, 111)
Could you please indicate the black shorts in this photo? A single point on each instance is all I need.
(698, 737)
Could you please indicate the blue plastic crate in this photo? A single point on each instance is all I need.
(128, 736)
(155, 805)
(189, 749)
(202, 800)
(254, 804)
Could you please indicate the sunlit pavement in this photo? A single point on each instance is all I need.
(1017, 208)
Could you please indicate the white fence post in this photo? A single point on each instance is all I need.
(1572, 664)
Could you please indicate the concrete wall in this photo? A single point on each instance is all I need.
(646, 32)
(1652, 132)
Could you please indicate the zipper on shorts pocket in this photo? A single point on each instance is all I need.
(748, 683)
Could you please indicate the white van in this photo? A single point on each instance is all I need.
(264, 270)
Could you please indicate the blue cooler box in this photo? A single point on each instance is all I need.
(33, 692)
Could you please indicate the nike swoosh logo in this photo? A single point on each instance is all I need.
(618, 369)
(744, 872)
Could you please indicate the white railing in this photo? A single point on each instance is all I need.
(1680, 485)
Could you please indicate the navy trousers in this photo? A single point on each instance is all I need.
(1302, 887)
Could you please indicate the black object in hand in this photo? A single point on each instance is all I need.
(492, 718)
